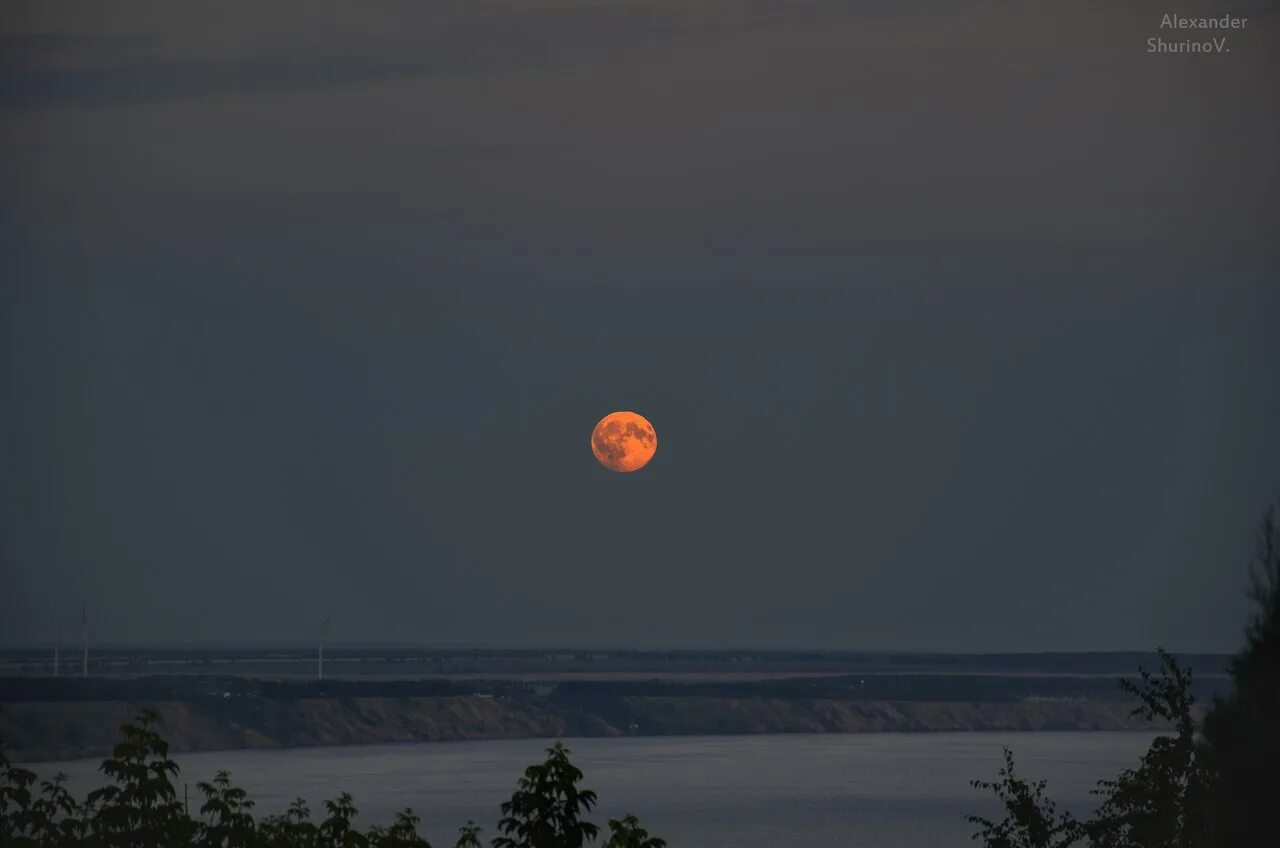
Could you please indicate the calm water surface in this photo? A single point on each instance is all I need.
(873, 790)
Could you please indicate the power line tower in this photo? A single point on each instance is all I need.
(57, 644)
(84, 635)
(324, 632)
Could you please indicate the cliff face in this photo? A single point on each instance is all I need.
(67, 730)
(722, 715)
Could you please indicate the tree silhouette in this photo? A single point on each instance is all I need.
(470, 836)
(402, 834)
(1242, 730)
(1161, 801)
(627, 833)
(226, 807)
(293, 827)
(1190, 789)
(141, 808)
(1031, 819)
(545, 810)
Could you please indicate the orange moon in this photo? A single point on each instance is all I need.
(624, 441)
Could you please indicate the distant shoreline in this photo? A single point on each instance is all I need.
(220, 699)
(47, 731)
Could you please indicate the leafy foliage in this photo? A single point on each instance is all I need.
(470, 837)
(229, 824)
(141, 807)
(1159, 803)
(1031, 821)
(545, 811)
(402, 834)
(627, 833)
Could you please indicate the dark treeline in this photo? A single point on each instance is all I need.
(877, 687)
(200, 688)
(590, 695)
(469, 660)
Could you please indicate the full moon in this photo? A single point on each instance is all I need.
(624, 441)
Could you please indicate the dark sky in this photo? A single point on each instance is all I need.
(956, 321)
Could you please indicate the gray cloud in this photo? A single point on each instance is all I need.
(50, 69)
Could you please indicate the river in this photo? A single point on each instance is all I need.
(892, 790)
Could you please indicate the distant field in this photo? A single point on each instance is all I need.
(364, 662)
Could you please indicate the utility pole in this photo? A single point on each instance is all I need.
(324, 631)
(57, 644)
(84, 628)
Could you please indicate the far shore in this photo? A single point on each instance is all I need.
(41, 731)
